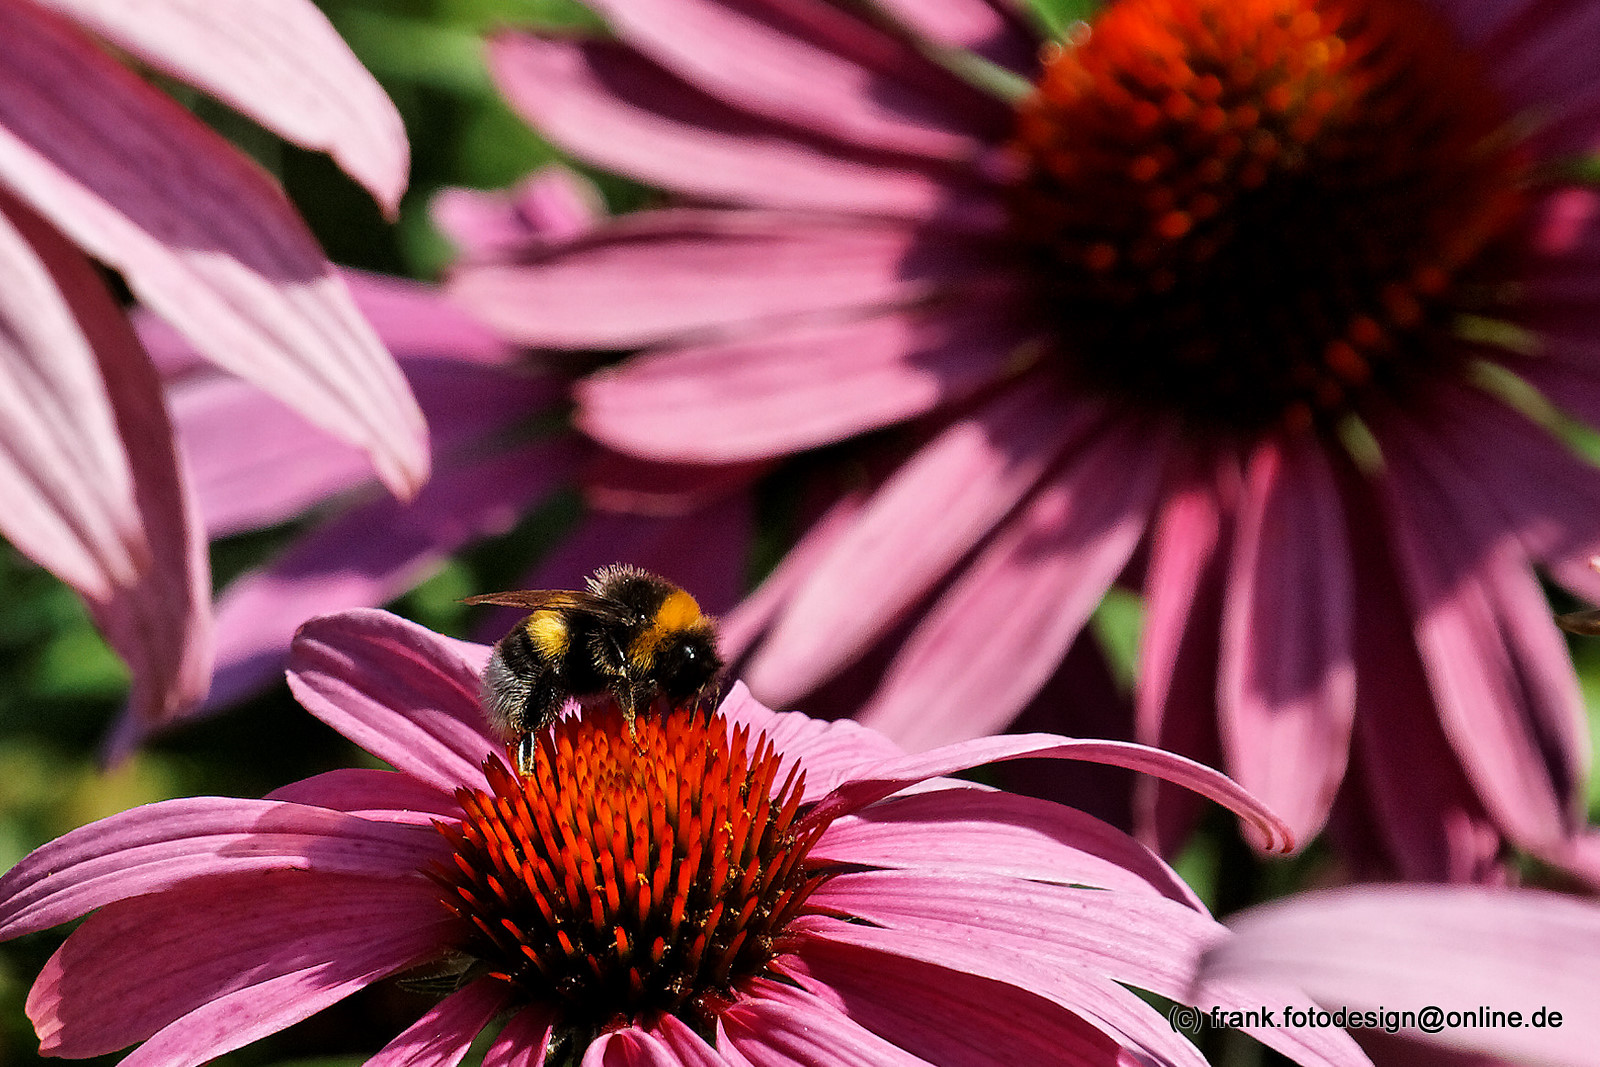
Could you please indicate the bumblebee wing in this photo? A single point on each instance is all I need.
(566, 600)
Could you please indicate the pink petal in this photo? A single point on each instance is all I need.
(949, 1017)
(780, 1026)
(628, 1047)
(685, 1045)
(924, 519)
(384, 796)
(523, 1039)
(1176, 706)
(158, 846)
(1535, 58)
(613, 481)
(1497, 666)
(1460, 948)
(283, 65)
(207, 967)
(63, 472)
(415, 319)
(440, 737)
(798, 388)
(1028, 592)
(890, 776)
(663, 274)
(1286, 683)
(159, 618)
(613, 108)
(994, 29)
(741, 627)
(369, 555)
(199, 233)
(554, 204)
(444, 1033)
(966, 829)
(830, 752)
(814, 66)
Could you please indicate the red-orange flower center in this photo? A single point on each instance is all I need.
(1260, 211)
(624, 877)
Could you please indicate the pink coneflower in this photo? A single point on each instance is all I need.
(1473, 955)
(747, 887)
(1261, 304)
(97, 163)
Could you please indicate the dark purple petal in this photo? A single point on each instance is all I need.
(994, 29)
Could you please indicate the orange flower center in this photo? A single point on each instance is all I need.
(1257, 212)
(628, 877)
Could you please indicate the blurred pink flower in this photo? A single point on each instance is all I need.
(1452, 948)
(96, 163)
(823, 897)
(501, 449)
(1261, 305)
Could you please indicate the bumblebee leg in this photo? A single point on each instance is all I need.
(527, 745)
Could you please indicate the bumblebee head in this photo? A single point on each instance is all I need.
(687, 663)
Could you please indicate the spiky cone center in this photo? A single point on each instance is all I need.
(628, 876)
(1257, 212)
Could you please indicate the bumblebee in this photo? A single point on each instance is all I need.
(631, 635)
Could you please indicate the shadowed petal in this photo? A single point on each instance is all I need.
(675, 272)
(282, 64)
(768, 396)
(964, 828)
(780, 1026)
(368, 555)
(441, 738)
(951, 1017)
(1499, 668)
(240, 956)
(926, 517)
(875, 782)
(814, 66)
(1028, 592)
(158, 618)
(831, 752)
(385, 796)
(155, 847)
(1175, 699)
(1535, 58)
(1399, 946)
(685, 1044)
(199, 232)
(610, 106)
(1287, 681)
(444, 1033)
(523, 1039)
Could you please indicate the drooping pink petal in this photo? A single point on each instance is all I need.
(949, 1017)
(240, 956)
(153, 848)
(1175, 698)
(611, 107)
(553, 204)
(1498, 667)
(368, 555)
(440, 738)
(814, 66)
(1028, 592)
(523, 1039)
(386, 796)
(1286, 687)
(671, 273)
(1425, 810)
(199, 232)
(444, 1033)
(780, 1026)
(614, 481)
(965, 828)
(830, 752)
(926, 517)
(685, 1045)
(629, 1047)
(417, 320)
(63, 472)
(879, 781)
(768, 396)
(282, 64)
(159, 621)
(1460, 948)
(993, 29)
